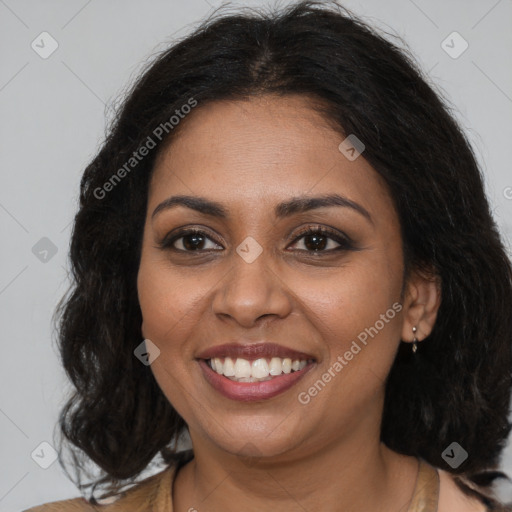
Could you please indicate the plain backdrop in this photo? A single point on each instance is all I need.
(53, 112)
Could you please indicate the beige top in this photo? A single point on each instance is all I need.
(154, 494)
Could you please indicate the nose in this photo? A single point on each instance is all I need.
(251, 292)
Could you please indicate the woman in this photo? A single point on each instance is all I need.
(287, 215)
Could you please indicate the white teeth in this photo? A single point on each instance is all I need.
(218, 365)
(229, 367)
(276, 366)
(242, 368)
(259, 370)
(287, 365)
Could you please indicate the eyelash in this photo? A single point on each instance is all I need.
(345, 243)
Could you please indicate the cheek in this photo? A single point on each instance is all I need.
(167, 322)
(170, 299)
(158, 302)
(358, 303)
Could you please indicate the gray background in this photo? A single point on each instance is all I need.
(53, 113)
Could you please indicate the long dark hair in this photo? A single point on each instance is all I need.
(458, 389)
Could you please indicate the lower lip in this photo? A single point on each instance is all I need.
(252, 391)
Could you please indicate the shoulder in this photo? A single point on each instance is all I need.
(74, 505)
(453, 499)
(154, 490)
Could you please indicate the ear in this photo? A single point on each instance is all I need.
(421, 304)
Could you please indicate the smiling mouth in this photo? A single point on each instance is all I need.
(258, 370)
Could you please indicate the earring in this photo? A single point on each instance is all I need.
(414, 341)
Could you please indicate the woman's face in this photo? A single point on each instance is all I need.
(250, 277)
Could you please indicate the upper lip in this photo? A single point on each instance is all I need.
(253, 351)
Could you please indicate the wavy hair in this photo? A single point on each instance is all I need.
(457, 389)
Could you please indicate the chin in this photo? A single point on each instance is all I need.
(263, 437)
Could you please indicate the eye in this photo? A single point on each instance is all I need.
(312, 240)
(320, 239)
(189, 241)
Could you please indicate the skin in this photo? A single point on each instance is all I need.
(249, 156)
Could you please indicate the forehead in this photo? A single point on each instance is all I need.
(263, 149)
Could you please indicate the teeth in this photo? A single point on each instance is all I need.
(229, 367)
(261, 369)
(276, 366)
(242, 368)
(218, 365)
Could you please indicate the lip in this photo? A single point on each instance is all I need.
(253, 351)
(252, 391)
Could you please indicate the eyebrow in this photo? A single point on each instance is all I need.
(282, 210)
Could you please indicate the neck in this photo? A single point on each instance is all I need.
(345, 477)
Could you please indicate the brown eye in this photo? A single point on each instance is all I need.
(190, 241)
(321, 240)
(316, 242)
(193, 241)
